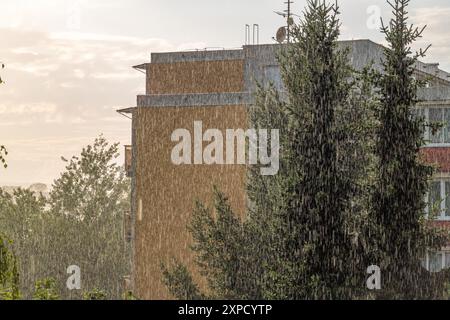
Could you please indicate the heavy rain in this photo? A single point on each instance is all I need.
(309, 167)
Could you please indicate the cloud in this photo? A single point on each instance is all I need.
(36, 108)
(360, 21)
(437, 33)
(61, 88)
(75, 73)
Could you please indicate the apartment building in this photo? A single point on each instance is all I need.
(216, 88)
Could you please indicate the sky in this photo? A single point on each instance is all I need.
(68, 62)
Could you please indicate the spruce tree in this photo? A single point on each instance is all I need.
(313, 251)
(223, 254)
(301, 238)
(402, 236)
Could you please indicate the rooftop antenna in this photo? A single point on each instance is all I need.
(289, 21)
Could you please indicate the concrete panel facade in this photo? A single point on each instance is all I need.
(195, 77)
(215, 87)
(165, 193)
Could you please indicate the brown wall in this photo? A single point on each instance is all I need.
(195, 77)
(439, 157)
(168, 191)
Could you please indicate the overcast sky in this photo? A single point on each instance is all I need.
(69, 62)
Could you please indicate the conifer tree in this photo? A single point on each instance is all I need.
(300, 238)
(313, 245)
(401, 177)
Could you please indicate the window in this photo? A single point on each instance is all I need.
(437, 261)
(437, 116)
(438, 199)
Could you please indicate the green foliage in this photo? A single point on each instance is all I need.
(180, 283)
(350, 189)
(89, 201)
(79, 223)
(129, 296)
(92, 185)
(95, 294)
(303, 238)
(219, 240)
(9, 277)
(23, 220)
(46, 289)
(223, 248)
(306, 212)
(402, 237)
